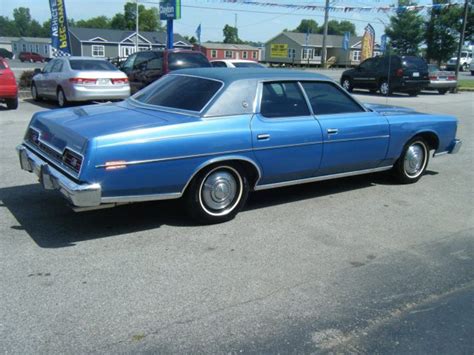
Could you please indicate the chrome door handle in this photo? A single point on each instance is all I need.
(263, 136)
(332, 130)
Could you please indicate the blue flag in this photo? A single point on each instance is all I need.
(383, 43)
(198, 33)
(345, 40)
(61, 46)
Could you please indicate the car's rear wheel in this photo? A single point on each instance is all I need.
(217, 194)
(385, 88)
(61, 98)
(413, 162)
(12, 104)
(465, 67)
(34, 92)
(346, 83)
(442, 91)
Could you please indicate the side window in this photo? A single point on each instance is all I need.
(366, 64)
(219, 64)
(283, 99)
(58, 66)
(326, 98)
(143, 59)
(128, 65)
(49, 66)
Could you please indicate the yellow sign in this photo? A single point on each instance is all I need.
(279, 51)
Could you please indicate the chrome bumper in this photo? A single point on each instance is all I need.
(453, 148)
(80, 195)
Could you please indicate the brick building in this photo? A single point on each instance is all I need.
(229, 51)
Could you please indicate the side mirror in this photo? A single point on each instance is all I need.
(37, 71)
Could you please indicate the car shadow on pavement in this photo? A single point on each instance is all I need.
(43, 103)
(47, 219)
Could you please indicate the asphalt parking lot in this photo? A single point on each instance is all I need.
(354, 265)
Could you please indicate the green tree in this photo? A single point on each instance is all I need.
(95, 22)
(405, 30)
(191, 39)
(441, 36)
(338, 28)
(22, 18)
(118, 22)
(148, 19)
(8, 28)
(306, 26)
(231, 35)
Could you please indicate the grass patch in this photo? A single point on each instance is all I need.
(469, 84)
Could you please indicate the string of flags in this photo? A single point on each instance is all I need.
(385, 9)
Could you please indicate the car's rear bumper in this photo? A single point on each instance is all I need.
(8, 91)
(87, 93)
(79, 195)
(408, 85)
(442, 84)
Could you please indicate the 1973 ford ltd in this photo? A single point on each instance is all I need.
(212, 135)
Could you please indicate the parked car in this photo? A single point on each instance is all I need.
(464, 62)
(443, 81)
(388, 74)
(8, 86)
(30, 57)
(74, 79)
(5, 53)
(212, 135)
(236, 63)
(143, 68)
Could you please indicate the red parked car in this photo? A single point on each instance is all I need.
(8, 87)
(31, 57)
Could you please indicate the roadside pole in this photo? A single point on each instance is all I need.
(461, 41)
(136, 27)
(325, 34)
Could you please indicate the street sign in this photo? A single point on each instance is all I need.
(170, 9)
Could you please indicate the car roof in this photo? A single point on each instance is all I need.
(80, 58)
(228, 75)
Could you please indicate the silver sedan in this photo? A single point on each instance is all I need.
(74, 79)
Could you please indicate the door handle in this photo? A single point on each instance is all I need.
(262, 137)
(332, 130)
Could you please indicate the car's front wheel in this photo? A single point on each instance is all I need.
(34, 93)
(413, 162)
(347, 84)
(61, 98)
(217, 194)
(442, 91)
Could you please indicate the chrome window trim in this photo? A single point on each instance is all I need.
(321, 178)
(177, 110)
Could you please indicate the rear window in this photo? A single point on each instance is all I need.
(247, 65)
(414, 63)
(179, 92)
(89, 64)
(187, 60)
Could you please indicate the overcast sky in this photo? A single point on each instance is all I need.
(255, 23)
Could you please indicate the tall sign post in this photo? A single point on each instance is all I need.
(170, 10)
(61, 46)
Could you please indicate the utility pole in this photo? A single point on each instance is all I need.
(136, 28)
(461, 38)
(325, 34)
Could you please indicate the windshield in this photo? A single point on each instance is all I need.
(91, 64)
(179, 92)
(432, 67)
(247, 65)
(463, 54)
(187, 60)
(414, 63)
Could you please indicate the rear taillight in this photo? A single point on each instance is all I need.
(399, 72)
(81, 81)
(119, 81)
(433, 77)
(72, 160)
(452, 77)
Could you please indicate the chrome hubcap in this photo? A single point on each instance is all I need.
(346, 84)
(60, 98)
(414, 160)
(219, 190)
(384, 88)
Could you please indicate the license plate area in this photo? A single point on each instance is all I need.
(104, 81)
(416, 74)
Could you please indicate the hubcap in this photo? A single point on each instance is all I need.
(219, 190)
(414, 160)
(346, 84)
(384, 88)
(61, 98)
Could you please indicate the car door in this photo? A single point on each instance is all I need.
(363, 73)
(353, 138)
(54, 78)
(285, 136)
(44, 81)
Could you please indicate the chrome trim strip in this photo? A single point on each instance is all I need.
(440, 154)
(355, 139)
(141, 198)
(321, 178)
(147, 161)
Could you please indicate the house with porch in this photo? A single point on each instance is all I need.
(214, 50)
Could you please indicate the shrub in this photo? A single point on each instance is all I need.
(25, 79)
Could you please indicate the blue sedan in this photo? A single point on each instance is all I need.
(210, 136)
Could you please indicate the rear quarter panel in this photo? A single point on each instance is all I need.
(165, 158)
(403, 127)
